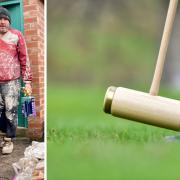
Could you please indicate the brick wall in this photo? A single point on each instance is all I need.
(34, 35)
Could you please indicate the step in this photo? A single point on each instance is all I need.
(21, 132)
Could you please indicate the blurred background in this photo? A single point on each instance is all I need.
(102, 42)
(93, 44)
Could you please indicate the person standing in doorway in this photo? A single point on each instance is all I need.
(14, 65)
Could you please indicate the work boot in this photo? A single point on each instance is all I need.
(7, 146)
(1, 142)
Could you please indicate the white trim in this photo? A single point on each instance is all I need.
(45, 86)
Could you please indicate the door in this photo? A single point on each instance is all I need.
(15, 8)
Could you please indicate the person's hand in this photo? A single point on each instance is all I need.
(27, 89)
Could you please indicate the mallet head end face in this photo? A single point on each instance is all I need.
(108, 99)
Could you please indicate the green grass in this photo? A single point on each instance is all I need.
(86, 144)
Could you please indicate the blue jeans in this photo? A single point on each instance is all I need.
(9, 101)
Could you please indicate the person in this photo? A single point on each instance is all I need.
(14, 66)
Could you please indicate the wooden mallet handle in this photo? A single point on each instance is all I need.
(163, 48)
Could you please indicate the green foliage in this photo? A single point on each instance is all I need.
(97, 56)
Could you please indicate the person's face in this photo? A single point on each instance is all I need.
(4, 25)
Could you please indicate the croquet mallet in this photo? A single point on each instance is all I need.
(143, 107)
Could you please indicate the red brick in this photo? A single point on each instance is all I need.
(35, 124)
(35, 90)
(35, 38)
(30, 20)
(30, 32)
(33, 57)
(26, 26)
(35, 134)
(32, 44)
(34, 35)
(30, 7)
(26, 3)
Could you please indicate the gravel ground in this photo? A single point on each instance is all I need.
(6, 169)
